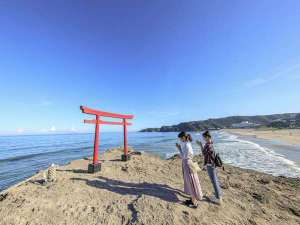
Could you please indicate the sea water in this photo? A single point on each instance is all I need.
(21, 156)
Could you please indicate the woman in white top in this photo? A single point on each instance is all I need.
(191, 181)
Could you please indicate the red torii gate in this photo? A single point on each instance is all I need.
(96, 166)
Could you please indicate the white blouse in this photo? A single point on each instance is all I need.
(187, 151)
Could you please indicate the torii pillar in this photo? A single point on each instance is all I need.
(96, 166)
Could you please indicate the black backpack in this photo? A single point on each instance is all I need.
(218, 161)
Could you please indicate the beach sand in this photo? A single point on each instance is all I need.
(290, 136)
(148, 190)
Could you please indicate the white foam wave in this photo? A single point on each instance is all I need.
(273, 154)
(251, 155)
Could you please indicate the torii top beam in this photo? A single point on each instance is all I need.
(106, 122)
(105, 114)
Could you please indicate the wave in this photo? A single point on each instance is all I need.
(273, 154)
(245, 153)
(47, 146)
(28, 156)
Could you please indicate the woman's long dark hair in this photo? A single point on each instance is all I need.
(206, 134)
(188, 137)
(181, 134)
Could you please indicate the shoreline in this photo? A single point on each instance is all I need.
(171, 155)
(287, 136)
(287, 151)
(27, 157)
(148, 190)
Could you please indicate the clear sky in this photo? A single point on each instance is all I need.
(163, 61)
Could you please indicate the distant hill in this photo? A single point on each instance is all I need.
(285, 120)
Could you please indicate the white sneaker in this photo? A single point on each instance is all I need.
(215, 200)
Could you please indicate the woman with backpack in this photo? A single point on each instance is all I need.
(210, 164)
(189, 170)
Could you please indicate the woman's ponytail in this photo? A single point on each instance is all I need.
(189, 138)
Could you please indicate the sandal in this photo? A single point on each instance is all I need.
(188, 202)
(193, 206)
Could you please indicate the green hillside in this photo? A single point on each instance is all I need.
(286, 120)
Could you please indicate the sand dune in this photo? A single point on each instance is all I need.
(148, 190)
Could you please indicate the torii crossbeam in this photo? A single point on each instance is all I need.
(96, 166)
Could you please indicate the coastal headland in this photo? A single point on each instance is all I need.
(274, 121)
(148, 190)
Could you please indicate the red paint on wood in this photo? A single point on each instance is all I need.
(106, 122)
(125, 137)
(96, 142)
(98, 121)
(106, 114)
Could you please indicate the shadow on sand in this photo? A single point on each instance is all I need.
(161, 191)
(73, 171)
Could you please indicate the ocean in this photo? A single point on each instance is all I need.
(21, 156)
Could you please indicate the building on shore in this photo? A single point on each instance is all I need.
(244, 124)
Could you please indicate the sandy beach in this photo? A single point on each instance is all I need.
(148, 190)
(291, 136)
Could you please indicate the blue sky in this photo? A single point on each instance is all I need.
(163, 61)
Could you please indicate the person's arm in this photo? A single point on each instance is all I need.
(204, 152)
(179, 149)
(201, 145)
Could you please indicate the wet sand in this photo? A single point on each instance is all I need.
(290, 136)
(148, 190)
